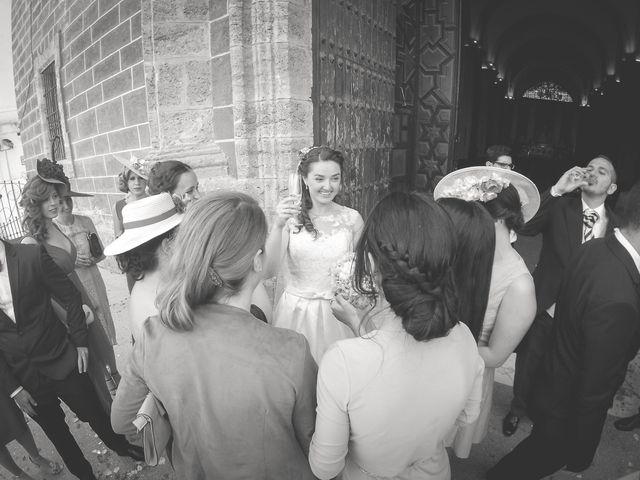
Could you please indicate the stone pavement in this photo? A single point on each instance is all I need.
(618, 455)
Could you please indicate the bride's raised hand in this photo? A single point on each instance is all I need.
(288, 207)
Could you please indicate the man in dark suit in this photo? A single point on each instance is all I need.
(596, 333)
(565, 222)
(41, 360)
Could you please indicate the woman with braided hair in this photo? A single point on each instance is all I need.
(388, 399)
(311, 235)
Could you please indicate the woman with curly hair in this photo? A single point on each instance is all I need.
(388, 398)
(132, 180)
(312, 234)
(41, 200)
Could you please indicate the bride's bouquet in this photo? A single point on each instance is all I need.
(342, 278)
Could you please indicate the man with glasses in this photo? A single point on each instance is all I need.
(499, 156)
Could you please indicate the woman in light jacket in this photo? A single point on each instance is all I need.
(240, 394)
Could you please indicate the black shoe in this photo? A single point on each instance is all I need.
(629, 423)
(133, 451)
(510, 424)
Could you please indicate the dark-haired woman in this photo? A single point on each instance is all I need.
(311, 236)
(476, 239)
(510, 308)
(388, 399)
(239, 394)
(41, 200)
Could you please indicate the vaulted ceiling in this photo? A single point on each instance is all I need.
(579, 44)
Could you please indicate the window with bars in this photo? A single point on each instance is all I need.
(52, 112)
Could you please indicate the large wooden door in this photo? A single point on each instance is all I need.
(426, 91)
(353, 97)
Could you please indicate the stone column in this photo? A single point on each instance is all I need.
(272, 70)
(182, 41)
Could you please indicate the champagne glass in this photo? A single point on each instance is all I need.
(295, 189)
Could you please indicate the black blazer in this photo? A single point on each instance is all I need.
(38, 344)
(559, 219)
(596, 334)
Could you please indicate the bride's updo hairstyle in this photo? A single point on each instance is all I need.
(411, 241)
(309, 157)
(213, 254)
(507, 207)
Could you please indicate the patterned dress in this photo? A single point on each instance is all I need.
(90, 277)
(305, 303)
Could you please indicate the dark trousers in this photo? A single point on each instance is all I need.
(78, 393)
(537, 456)
(529, 356)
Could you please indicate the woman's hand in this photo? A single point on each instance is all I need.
(287, 208)
(346, 313)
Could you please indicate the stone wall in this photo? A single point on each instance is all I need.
(97, 49)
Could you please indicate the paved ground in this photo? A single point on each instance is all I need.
(618, 455)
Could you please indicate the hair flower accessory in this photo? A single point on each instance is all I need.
(472, 188)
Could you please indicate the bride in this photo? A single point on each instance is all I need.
(310, 236)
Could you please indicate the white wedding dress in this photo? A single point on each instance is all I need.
(305, 303)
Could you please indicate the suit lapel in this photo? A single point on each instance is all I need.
(621, 253)
(573, 216)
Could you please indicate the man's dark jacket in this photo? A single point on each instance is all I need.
(559, 219)
(596, 334)
(38, 345)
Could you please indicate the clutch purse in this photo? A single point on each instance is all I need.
(95, 247)
(153, 422)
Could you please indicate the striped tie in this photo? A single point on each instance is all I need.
(589, 219)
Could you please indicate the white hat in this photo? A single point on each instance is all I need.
(144, 220)
(484, 184)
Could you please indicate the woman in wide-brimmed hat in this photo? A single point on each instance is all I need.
(142, 249)
(41, 200)
(511, 199)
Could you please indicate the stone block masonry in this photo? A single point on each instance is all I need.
(99, 61)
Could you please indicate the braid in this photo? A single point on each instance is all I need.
(424, 303)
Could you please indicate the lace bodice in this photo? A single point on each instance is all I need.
(309, 260)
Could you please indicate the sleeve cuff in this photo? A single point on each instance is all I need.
(554, 192)
(16, 392)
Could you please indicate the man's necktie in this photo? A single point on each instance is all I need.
(589, 219)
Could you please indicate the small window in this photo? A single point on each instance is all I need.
(52, 112)
(548, 91)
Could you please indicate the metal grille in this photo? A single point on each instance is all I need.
(354, 76)
(10, 211)
(52, 112)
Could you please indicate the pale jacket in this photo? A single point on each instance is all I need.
(240, 395)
